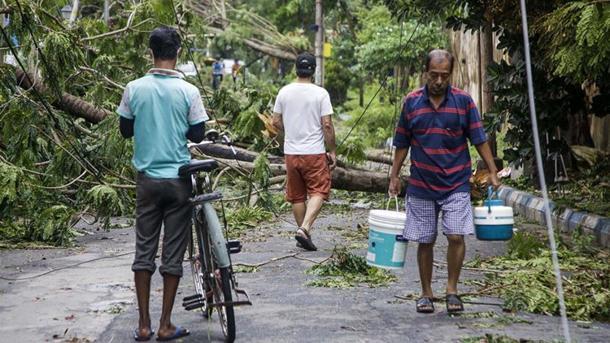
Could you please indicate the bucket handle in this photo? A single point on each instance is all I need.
(387, 205)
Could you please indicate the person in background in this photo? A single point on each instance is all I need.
(435, 123)
(235, 70)
(302, 112)
(217, 73)
(161, 111)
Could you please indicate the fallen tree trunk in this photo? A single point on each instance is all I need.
(342, 178)
(378, 157)
(223, 151)
(68, 102)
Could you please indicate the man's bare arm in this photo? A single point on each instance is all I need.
(278, 123)
(485, 152)
(399, 158)
(329, 139)
(329, 133)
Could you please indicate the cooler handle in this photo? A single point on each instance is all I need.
(387, 205)
(490, 193)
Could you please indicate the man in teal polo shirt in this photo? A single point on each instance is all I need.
(161, 111)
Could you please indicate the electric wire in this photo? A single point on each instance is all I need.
(185, 39)
(383, 83)
(65, 267)
(540, 168)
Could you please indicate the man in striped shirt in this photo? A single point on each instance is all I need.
(435, 123)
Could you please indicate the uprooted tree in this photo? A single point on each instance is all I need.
(61, 154)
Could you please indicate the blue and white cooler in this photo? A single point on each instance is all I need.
(493, 221)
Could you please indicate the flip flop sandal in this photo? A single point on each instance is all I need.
(304, 238)
(424, 305)
(138, 338)
(455, 302)
(179, 332)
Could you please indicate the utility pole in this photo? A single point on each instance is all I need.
(107, 11)
(74, 13)
(2, 22)
(319, 75)
(487, 58)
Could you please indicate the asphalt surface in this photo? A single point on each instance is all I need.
(92, 299)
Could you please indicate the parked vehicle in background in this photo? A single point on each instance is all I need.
(188, 68)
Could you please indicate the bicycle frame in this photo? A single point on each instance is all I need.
(217, 239)
(214, 229)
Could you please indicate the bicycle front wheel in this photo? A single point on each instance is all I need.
(196, 258)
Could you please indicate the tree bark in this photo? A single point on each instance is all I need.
(69, 103)
(379, 158)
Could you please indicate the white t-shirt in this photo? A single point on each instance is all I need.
(302, 106)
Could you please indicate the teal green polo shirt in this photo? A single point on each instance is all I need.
(163, 106)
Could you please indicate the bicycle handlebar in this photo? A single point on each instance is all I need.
(212, 137)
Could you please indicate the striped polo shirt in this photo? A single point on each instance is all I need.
(440, 161)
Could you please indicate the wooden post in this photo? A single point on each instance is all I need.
(319, 74)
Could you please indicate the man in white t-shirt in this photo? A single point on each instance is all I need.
(303, 113)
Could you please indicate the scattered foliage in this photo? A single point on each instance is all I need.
(106, 202)
(344, 270)
(494, 338)
(244, 269)
(527, 282)
(245, 218)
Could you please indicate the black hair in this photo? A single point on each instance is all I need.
(304, 73)
(164, 43)
(439, 53)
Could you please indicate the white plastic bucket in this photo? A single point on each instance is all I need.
(386, 248)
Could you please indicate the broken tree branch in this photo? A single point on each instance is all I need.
(68, 102)
(267, 49)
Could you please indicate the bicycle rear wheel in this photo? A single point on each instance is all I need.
(218, 281)
(223, 295)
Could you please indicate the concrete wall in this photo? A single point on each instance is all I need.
(566, 220)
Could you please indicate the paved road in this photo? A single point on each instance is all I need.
(95, 301)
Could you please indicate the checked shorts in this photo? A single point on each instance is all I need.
(423, 215)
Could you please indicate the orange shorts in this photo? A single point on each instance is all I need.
(306, 175)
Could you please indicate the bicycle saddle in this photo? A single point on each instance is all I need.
(196, 166)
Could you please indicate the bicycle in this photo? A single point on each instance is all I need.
(209, 253)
